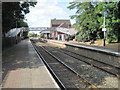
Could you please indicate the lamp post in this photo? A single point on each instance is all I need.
(104, 29)
(16, 24)
(16, 20)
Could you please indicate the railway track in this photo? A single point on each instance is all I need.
(95, 63)
(104, 66)
(68, 77)
(98, 64)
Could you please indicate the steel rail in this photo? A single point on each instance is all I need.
(91, 58)
(117, 75)
(61, 85)
(84, 80)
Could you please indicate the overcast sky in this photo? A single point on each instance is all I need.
(45, 10)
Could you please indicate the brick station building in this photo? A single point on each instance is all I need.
(60, 23)
(60, 30)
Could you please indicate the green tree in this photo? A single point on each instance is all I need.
(41, 35)
(32, 35)
(85, 18)
(111, 10)
(14, 12)
(113, 22)
(89, 16)
(22, 23)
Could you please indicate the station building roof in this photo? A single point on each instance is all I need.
(60, 21)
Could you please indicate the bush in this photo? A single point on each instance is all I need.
(32, 35)
(111, 37)
(83, 36)
(41, 35)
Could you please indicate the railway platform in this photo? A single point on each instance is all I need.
(22, 68)
(108, 48)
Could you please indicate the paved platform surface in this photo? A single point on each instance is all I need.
(112, 48)
(23, 69)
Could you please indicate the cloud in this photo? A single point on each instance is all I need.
(43, 12)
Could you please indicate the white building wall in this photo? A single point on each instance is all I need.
(62, 35)
(58, 36)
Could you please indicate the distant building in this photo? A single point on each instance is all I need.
(60, 30)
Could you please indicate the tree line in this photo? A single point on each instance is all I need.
(13, 14)
(90, 18)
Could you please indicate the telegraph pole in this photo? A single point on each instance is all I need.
(104, 29)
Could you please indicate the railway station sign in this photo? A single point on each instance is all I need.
(104, 29)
